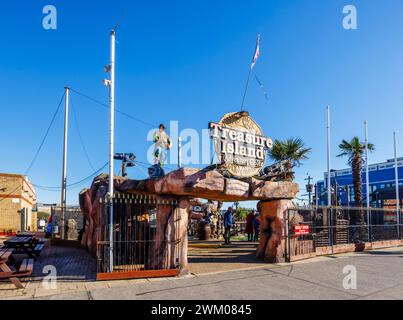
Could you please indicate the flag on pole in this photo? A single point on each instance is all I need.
(262, 87)
(257, 52)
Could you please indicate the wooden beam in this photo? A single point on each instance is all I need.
(116, 275)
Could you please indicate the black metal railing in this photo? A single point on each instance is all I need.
(338, 226)
(145, 234)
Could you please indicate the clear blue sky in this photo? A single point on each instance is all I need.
(187, 61)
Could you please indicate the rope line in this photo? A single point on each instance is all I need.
(80, 137)
(44, 138)
(72, 184)
(117, 110)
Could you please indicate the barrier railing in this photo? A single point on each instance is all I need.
(310, 228)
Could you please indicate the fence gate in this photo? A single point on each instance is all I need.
(327, 227)
(145, 238)
(299, 245)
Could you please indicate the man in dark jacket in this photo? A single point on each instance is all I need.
(256, 226)
(228, 224)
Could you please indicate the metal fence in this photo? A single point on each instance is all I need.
(73, 225)
(327, 227)
(145, 234)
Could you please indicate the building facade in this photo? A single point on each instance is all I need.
(17, 200)
(382, 186)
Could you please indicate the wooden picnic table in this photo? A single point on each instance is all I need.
(5, 255)
(24, 245)
(25, 269)
(25, 234)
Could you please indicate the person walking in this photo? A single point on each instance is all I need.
(249, 225)
(228, 224)
(256, 226)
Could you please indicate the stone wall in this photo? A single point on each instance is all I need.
(16, 194)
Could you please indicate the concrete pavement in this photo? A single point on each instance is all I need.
(379, 276)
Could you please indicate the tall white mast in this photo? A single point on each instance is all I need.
(329, 187)
(367, 179)
(64, 169)
(397, 185)
(111, 84)
(112, 143)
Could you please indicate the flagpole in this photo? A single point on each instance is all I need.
(367, 180)
(329, 188)
(254, 59)
(396, 172)
(397, 185)
(246, 88)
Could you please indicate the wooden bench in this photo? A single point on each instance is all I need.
(25, 269)
(39, 248)
(5, 254)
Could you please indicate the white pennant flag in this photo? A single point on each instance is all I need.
(257, 52)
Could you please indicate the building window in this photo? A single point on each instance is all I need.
(351, 192)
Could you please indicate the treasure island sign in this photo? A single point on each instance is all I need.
(240, 145)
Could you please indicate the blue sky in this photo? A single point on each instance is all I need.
(187, 61)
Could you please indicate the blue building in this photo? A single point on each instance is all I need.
(381, 181)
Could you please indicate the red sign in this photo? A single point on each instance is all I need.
(302, 230)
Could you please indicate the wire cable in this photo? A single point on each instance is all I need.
(44, 138)
(72, 184)
(117, 110)
(39, 148)
(80, 136)
(7, 195)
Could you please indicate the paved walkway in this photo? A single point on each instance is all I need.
(380, 276)
(212, 256)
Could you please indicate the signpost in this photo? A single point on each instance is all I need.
(302, 230)
(240, 145)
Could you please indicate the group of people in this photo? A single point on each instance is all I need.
(252, 228)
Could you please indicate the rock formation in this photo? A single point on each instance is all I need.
(186, 184)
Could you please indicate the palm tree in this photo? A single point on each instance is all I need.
(354, 150)
(291, 149)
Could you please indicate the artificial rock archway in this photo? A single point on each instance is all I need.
(185, 184)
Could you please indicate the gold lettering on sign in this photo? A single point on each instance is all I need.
(240, 145)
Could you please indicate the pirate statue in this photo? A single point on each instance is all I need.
(162, 143)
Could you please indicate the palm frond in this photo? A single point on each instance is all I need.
(291, 149)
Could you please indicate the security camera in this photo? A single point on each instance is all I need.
(106, 82)
(107, 68)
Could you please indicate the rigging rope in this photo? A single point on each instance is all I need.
(44, 138)
(80, 137)
(72, 184)
(117, 110)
